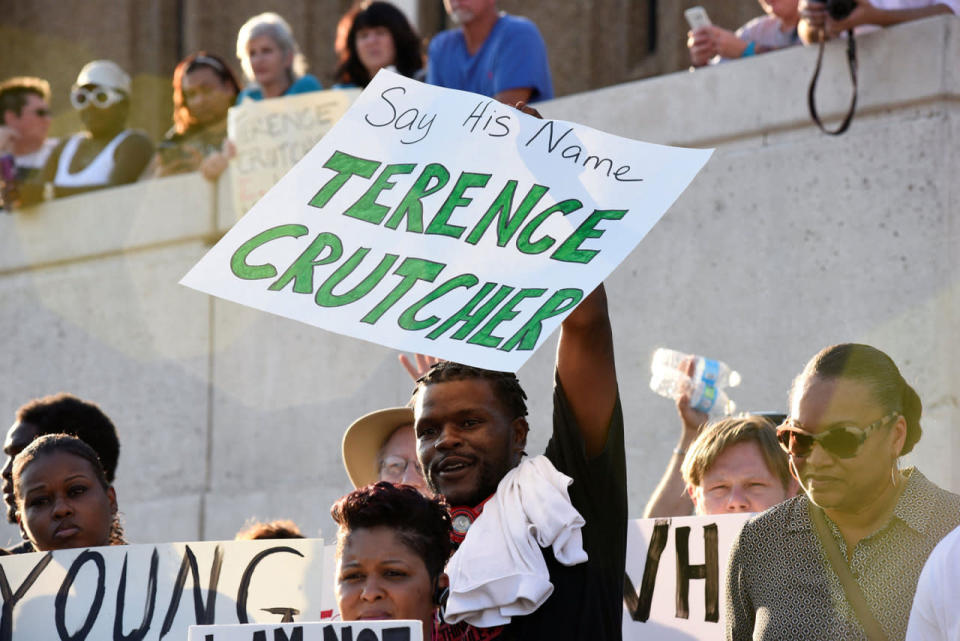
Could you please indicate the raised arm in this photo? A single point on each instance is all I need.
(586, 369)
(585, 361)
(671, 497)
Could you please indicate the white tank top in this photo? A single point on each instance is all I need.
(97, 173)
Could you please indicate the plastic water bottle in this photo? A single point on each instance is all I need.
(706, 387)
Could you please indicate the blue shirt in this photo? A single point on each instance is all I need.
(304, 84)
(513, 56)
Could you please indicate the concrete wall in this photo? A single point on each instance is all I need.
(788, 240)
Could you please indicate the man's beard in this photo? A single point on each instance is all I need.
(487, 482)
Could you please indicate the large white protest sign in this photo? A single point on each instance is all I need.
(443, 222)
(675, 579)
(270, 136)
(332, 631)
(152, 592)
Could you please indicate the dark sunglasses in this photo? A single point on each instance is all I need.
(843, 442)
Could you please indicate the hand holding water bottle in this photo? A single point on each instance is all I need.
(702, 380)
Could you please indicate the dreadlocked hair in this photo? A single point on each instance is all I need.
(505, 385)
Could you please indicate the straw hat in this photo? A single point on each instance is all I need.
(364, 439)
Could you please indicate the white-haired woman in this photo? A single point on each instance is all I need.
(271, 60)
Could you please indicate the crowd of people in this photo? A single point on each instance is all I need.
(491, 52)
(452, 523)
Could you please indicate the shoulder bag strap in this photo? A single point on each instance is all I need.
(850, 587)
(811, 102)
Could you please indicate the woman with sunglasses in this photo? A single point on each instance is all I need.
(841, 560)
(107, 153)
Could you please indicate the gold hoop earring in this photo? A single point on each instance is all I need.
(895, 472)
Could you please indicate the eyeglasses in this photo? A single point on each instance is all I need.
(842, 442)
(101, 97)
(393, 468)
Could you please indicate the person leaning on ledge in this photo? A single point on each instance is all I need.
(25, 109)
(814, 19)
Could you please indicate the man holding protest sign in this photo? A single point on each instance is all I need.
(441, 222)
(471, 432)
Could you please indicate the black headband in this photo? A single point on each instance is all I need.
(208, 61)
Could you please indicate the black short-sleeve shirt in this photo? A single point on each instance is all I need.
(587, 600)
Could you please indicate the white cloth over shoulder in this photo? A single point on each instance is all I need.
(499, 571)
(935, 616)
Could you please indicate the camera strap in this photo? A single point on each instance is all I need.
(852, 63)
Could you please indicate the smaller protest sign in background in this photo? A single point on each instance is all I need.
(152, 592)
(443, 222)
(333, 631)
(675, 581)
(270, 136)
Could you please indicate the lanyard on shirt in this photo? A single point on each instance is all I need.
(850, 587)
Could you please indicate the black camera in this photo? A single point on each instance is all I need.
(840, 9)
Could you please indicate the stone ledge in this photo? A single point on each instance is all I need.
(141, 215)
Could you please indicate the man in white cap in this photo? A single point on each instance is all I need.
(108, 153)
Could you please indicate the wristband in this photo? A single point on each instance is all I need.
(750, 50)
